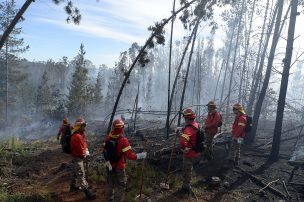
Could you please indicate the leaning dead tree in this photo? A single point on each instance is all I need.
(73, 14)
(187, 73)
(157, 32)
(274, 155)
(258, 106)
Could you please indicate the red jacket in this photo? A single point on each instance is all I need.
(212, 121)
(123, 149)
(62, 129)
(189, 135)
(78, 145)
(238, 127)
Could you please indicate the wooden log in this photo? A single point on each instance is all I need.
(260, 182)
(285, 187)
(296, 183)
(268, 184)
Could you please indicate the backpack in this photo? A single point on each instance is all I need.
(67, 140)
(220, 123)
(200, 138)
(248, 125)
(110, 149)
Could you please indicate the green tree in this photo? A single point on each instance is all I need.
(77, 100)
(44, 96)
(97, 98)
(14, 45)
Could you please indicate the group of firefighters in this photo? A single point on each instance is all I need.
(117, 179)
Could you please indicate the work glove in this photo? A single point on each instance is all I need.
(186, 150)
(87, 152)
(239, 140)
(108, 165)
(141, 155)
(178, 129)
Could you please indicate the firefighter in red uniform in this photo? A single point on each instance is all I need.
(79, 151)
(238, 133)
(117, 179)
(187, 141)
(64, 129)
(211, 127)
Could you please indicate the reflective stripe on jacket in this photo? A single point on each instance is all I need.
(189, 135)
(123, 149)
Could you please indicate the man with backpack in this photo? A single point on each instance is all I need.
(212, 122)
(116, 149)
(79, 152)
(238, 133)
(64, 131)
(188, 140)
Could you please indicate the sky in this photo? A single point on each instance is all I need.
(107, 28)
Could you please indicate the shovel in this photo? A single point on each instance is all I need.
(141, 196)
(165, 185)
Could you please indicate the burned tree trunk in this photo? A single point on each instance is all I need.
(274, 155)
(178, 71)
(246, 52)
(142, 50)
(275, 40)
(187, 72)
(169, 76)
(234, 58)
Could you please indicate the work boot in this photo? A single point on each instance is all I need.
(74, 188)
(90, 195)
(184, 190)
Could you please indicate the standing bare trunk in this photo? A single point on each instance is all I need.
(275, 40)
(127, 75)
(169, 76)
(187, 73)
(274, 155)
(227, 62)
(180, 66)
(258, 75)
(246, 52)
(234, 58)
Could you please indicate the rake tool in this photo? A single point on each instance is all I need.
(165, 185)
(141, 196)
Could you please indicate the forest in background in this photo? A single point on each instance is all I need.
(34, 92)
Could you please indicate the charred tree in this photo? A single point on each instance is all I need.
(275, 40)
(234, 58)
(179, 68)
(246, 52)
(187, 73)
(274, 155)
(141, 52)
(169, 76)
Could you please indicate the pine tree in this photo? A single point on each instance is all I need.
(97, 99)
(14, 45)
(77, 100)
(44, 96)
